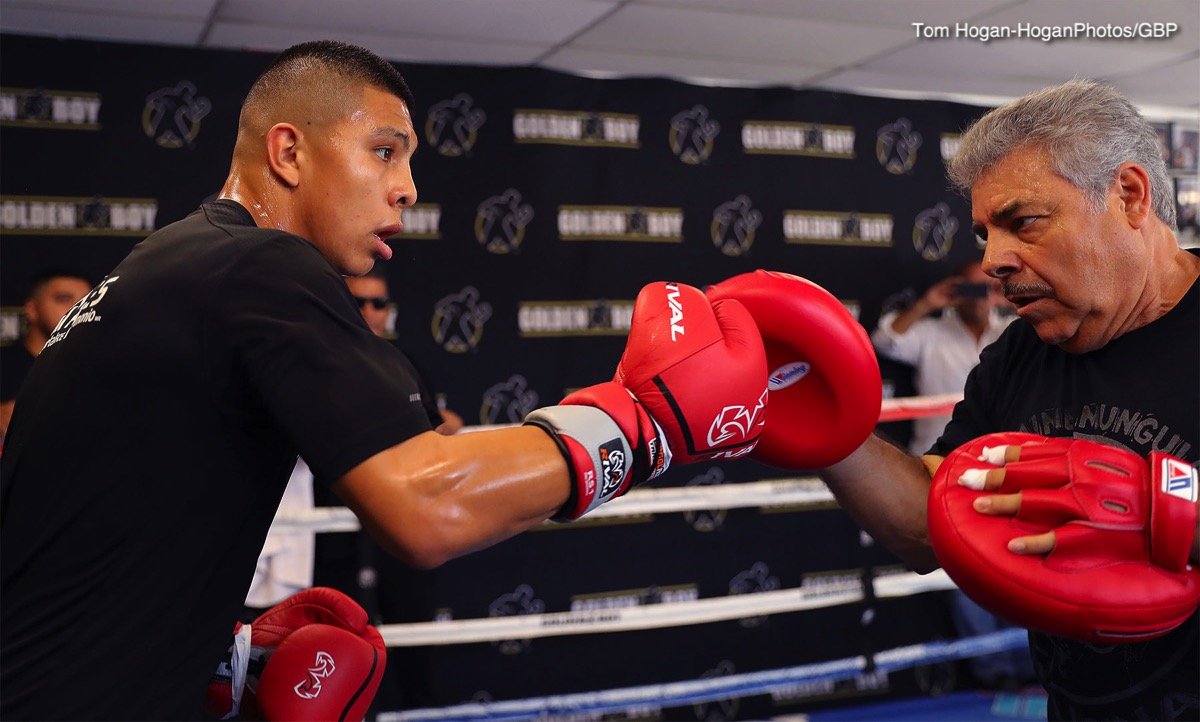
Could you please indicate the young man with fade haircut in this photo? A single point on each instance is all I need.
(1072, 196)
(137, 492)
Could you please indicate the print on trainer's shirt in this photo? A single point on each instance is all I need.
(1132, 430)
(81, 313)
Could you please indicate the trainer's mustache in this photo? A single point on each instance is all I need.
(1027, 290)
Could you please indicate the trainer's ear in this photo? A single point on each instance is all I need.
(283, 141)
(1133, 186)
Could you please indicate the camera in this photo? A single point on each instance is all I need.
(971, 290)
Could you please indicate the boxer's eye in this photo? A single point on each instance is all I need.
(385, 153)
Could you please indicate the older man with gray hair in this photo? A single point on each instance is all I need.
(1070, 193)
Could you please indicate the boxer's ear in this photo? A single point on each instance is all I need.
(283, 141)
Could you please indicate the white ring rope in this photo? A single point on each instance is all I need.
(654, 616)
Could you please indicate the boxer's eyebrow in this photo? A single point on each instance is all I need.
(403, 135)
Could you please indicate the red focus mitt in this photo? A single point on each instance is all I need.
(313, 656)
(1123, 526)
(825, 389)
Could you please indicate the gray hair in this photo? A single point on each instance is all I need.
(1088, 128)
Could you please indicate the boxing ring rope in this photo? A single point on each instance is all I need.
(655, 616)
(807, 490)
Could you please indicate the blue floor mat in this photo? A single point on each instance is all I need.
(955, 707)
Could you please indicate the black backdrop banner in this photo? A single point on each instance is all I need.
(546, 201)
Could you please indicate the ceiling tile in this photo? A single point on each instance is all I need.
(101, 25)
(881, 13)
(393, 47)
(177, 9)
(533, 21)
(717, 35)
(1099, 14)
(1177, 84)
(696, 70)
(999, 60)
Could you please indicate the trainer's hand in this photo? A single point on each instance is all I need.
(1101, 535)
(1009, 505)
(690, 386)
(825, 388)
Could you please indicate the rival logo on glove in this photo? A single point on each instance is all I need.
(612, 460)
(736, 422)
(676, 310)
(310, 686)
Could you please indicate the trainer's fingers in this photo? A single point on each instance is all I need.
(982, 479)
(998, 504)
(1000, 455)
(1036, 544)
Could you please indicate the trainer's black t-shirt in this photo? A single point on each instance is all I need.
(137, 492)
(1140, 392)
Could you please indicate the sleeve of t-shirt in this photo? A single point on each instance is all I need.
(335, 390)
(428, 397)
(975, 415)
(903, 347)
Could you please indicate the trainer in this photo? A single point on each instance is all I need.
(173, 399)
(1070, 193)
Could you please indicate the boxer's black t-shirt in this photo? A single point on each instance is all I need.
(15, 362)
(1141, 392)
(138, 490)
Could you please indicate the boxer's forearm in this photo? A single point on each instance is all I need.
(885, 490)
(436, 497)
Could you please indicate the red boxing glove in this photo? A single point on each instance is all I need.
(825, 388)
(690, 386)
(1123, 526)
(313, 656)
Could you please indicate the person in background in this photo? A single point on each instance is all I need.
(941, 335)
(51, 294)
